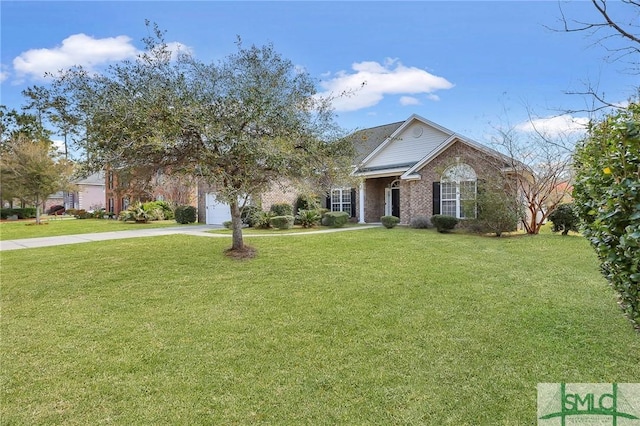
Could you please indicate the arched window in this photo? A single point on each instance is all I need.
(458, 188)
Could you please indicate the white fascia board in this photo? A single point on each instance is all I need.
(413, 176)
(382, 173)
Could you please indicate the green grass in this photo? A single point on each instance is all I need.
(55, 227)
(369, 327)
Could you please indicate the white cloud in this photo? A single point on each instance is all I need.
(409, 100)
(559, 125)
(77, 49)
(3, 74)
(371, 82)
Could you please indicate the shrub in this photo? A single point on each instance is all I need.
(21, 213)
(607, 200)
(282, 222)
(444, 223)
(248, 215)
(305, 202)
(228, 224)
(82, 214)
(498, 210)
(564, 218)
(185, 214)
(390, 221)
(420, 222)
(308, 218)
(158, 210)
(262, 219)
(136, 213)
(335, 219)
(281, 209)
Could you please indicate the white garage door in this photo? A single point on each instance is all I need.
(217, 212)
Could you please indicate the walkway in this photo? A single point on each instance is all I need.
(197, 230)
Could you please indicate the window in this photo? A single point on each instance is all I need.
(458, 192)
(341, 200)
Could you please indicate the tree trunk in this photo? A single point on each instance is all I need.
(236, 224)
(37, 212)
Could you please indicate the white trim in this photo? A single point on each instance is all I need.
(383, 172)
(361, 206)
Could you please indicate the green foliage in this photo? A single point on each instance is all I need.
(564, 219)
(82, 214)
(308, 218)
(185, 214)
(240, 123)
(444, 223)
(136, 212)
(248, 215)
(160, 210)
(607, 199)
(262, 219)
(498, 210)
(281, 209)
(420, 222)
(305, 202)
(21, 213)
(390, 221)
(335, 219)
(31, 171)
(282, 222)
(228, 224)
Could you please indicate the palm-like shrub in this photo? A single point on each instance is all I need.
(308, 218)
(136, 213)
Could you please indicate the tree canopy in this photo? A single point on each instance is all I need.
(240, 125)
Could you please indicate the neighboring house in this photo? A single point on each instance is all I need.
(406, 169)
(89, 194)
(124, 188)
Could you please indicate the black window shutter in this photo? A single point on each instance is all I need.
(436, 197)
(353, 202)
(327, 201)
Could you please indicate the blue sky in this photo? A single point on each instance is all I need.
(468, 66)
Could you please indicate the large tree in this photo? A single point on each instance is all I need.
(32, 172)
(240, 125)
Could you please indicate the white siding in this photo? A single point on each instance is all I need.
(407, 147)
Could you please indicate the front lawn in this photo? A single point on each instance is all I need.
(367, 327)
(68, 226)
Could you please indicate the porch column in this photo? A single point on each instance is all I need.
(361, 203)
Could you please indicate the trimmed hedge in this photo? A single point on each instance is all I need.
(185, 214)
(282, 222)
(420, 222)
(444, 223)
(389, 221)
(281, 209)
(335, 219)
(24, 213)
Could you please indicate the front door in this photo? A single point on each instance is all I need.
(392, 199)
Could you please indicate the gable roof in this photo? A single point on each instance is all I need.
(392, 153)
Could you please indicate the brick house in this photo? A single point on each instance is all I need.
(406, 169)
